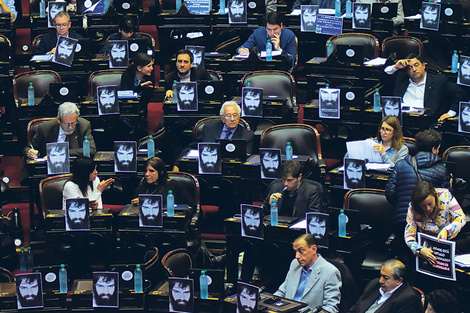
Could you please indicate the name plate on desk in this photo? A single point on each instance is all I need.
(329, 25)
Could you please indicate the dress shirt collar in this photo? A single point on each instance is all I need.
(421, 83)
(62, 135)
(385, 295)
(184, 77)
(224, 130)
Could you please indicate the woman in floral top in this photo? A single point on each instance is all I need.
(434, 211)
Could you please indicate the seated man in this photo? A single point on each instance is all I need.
(389, 294)
(294, 196)
(328, 4)
(397, 20)
(184, 72)
(62, 25)
(68, 127)
(282, 39)
(420, 89)
(311, 279)
(9, 6)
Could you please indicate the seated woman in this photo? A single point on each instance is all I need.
(85, 183)
(156, 182)
(390, 142)
(434, 211)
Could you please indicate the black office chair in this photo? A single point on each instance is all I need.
(41, 80)
(197, 128)
(402, 47)
(177, 263)
(411, 144)
(457, 159)
(215, 75)
(104, 77)
(368, 41)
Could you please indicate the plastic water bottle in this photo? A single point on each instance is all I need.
(22, 260)
(274, 213)
(204, 285)
(175, 92)
(248, 83)
(455, 62)
(63, 279)
(170, 204)
(150, 147)
(329, 48)
(342, 220)
(289, 151)
(348, 9)
(29, 260)
(222, 7)
(376, 100)
(269, 51)
(30, 94)
(138, 280)
(178, 5)
(338, 8)
(42, 9)
(86, 147)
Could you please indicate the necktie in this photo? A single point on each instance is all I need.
(301, 287)
(225, 134)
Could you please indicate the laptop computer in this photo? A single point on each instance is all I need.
(83, 49)
(126, 275)
(233, 149)
(217, 276)
(64, 91)
(50, 276)
(451, 12)
(128, 6)
(350, 54)
(353, 225)
(210, 91)
(384, 10)
(352, 97)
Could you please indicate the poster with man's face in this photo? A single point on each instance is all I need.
(77, 216)
(150, 211)
(329, 103)
(252, 221)
(361, 15)
(29, 292)
(391, 106)
(430, 15)
(198, 55)
(54, 7)
(105, 289)
(237, 12)
(209, 158)
(464, 117)
(270, 160)
(125, 156)
(187, 96)
(65, 50)
(308, 17)
(354, 174)
(119, 54)
(181, 294)
(247, 298)
(252, 101)
(58, 161)
(108, 102)
(463, 76)
(317, 225)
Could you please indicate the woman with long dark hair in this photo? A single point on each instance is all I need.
(389, 142)
(85, 183)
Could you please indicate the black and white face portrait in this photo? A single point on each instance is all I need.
(181, 295)
(308, 17)
(58, 161)
(54, 8)
(125, 156)
(252, 101)
(29, 291)
(464, 117)
(237, 12)
(108, 102)
(463, 77)
(252, 221)
(187, 96)
(150, 211)
(209, 158)
(361, 15)
(317, 225)
(198, 55)
(105, 289)
(430, 15)
(77, 216)
(119, 54)
(354, 174)
(247, 298)
(391, 106)
(329, 102)
(270, 161)
(65, 50)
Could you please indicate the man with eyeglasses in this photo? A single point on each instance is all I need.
(61, 28)
(68, 127)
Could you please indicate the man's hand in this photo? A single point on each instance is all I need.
(275, 196)
(243, 51)
(403, 63)
(135, 201)
(444, 117)
(52, 51)
(276, 42)
(169, 94)
(33, 154)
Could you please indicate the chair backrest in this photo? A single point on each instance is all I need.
(40, 79)
(422, 297)
(177, 263)
(33, 125)
(104, 77)
(4, 38)
(190, 182)
(403, 46)
(368, 41)
(457, 159)
(6, 276)
(50, 191)
(36, 42)
(197, 128)
(150, 39)
(411, 144)
(215, 75)
(156, 137)
(374, 210)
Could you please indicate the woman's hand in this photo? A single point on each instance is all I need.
(105, 184)
(378, 147)
(135, 201)
(442, 234)
(93, 204)
(147, 84)
(169, 94)
(428, 255)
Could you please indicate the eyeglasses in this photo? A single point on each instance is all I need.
(385, 130)
(61, 25)
(234, 115)
(69, 125)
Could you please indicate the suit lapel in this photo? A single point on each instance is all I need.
(314, 276)
(390, 300)
(427, 88)
(298, 197)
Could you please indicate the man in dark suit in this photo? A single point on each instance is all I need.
(49, 40)
(421, 89)
(294, 196)
(68, 127)
(390, 293)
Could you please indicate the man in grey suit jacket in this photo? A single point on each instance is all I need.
(311, 279)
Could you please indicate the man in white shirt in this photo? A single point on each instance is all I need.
(390, 293)
(420, 89)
